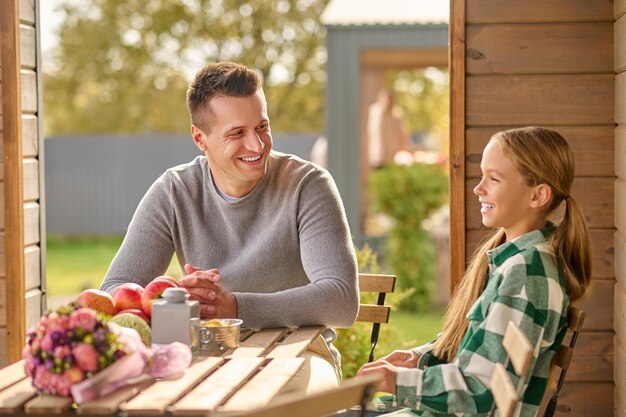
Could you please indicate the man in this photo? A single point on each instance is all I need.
(260, 235)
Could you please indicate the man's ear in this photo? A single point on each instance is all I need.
(542, 195)
(198, 137)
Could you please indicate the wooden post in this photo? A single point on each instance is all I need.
(13, 179)
(457, 141)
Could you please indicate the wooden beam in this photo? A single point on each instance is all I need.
(457, 141)
(13, 176)
(404, 58)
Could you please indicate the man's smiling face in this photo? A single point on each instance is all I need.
(238, 143)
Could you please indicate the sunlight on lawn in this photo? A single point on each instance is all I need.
(74, 264)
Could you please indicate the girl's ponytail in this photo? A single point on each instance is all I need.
(571, 246)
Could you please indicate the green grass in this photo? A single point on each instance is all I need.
(418, 328)
(76, 263)
(73, 264)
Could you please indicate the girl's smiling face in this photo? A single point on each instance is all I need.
(505, 199)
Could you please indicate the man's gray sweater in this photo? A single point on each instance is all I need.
(284, 250)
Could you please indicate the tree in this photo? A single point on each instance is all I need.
(124, 66)
(422, 94)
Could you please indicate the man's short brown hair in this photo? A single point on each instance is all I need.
(220, 79)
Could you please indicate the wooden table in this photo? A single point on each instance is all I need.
(243, 379)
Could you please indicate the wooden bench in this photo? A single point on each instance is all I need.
(375, 313)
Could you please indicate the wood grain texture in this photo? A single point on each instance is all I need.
(264, 386)
(12, 102)
(457, 140)
(594, 195)
(513, 11)
(620, 203)
(405, 58)
(585, 399)
(620, 98)
(620, 258)
(371, 313)
(296, 343)
(27, 12)
(32, 257)
(212, 391)
(620, 313)
(31, 179)
(550, 100)
(620, 151)
(599, 306)
(28, 47)
(593, 148)
(31, 225)
(29, 91)
(158, 396)
(620, 376)
(620, 44)
(3, 297)
(30, 139)
(377, 283)
(567, 48)
(619, 9)
(33, 307)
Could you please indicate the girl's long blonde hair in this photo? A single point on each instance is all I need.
(542, 156)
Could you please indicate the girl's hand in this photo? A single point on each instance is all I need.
(402, 358)
(385, 370)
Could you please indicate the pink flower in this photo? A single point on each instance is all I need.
(61, 351)
(84, 318)
(41, 376)
(47, 343)
(86, 357)
(53, 323)
(63, 384)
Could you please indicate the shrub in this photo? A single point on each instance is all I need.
(408, 194)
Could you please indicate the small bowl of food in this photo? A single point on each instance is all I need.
(219, 335)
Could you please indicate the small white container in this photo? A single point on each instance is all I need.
(174, 318)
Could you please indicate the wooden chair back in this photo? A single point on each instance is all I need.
(520, 354)
(563, 356)
(352, 392)
(378, 313)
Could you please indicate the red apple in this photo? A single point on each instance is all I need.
(127, 296)
(168, 278)
(153, 291)
(98, 300)
(135, 311)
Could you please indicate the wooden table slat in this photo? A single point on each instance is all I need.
(296, 343)
(110, 403)
(158, 396)
(12, 398)
(211, 392)
(264, 386)
(48, 404)
(258, 343)
(12, 374)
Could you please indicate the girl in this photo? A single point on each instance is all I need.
(527, 272)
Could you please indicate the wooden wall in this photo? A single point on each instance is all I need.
(620, 208)
(551, 64)
(21, 185)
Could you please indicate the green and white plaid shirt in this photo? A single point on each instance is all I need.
(525, 286)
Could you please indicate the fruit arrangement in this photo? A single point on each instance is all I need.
(130, 305)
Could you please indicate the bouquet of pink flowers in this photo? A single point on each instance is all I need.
(74, 352)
